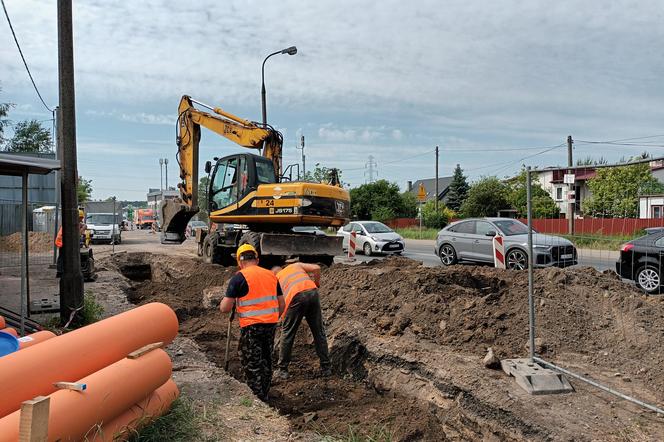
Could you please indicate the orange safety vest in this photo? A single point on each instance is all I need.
(58, 239)
(294, 280)
(260, 305)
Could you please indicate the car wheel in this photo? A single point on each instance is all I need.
(516, 260)
(648, 279)
(447, 255)
(367, 249)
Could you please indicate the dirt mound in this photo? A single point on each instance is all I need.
(37, 242)
(471, 308)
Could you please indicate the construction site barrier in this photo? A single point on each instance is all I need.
(352, 241)
(138, 416)
(111, 391)
(34, 339)
(499, 252)
(32, 371)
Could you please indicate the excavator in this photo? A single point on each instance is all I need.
(249, 201)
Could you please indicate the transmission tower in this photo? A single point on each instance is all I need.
(370, 167)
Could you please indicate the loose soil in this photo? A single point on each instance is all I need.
(407, 344)
(37, 242)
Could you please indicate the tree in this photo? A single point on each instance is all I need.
(543, 205)
(485, 198)
(30, 137)
(616, 190)
(458, 189)
(409, 200)
(321, 174)
(589, 161)
(83, 190)
(203, 183)
(375, 199)
(4, 122)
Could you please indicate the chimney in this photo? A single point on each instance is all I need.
(410, 186)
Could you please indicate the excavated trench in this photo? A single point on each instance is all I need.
(405, 345)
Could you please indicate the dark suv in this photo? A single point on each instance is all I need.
(641, 261)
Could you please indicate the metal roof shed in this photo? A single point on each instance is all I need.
(23, 166)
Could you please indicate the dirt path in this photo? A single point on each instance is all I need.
(407, 344)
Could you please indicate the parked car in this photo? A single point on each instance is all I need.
(472, 240)
(104, 227)
(309, 230)
(372, 237)
(641, 261)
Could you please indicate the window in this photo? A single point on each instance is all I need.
(347, 227)
(377, 228)
(224, 184)
(559, 193)
(659, 242)
(483, 227)
(465, 227)
(265, 172)
(657, 212)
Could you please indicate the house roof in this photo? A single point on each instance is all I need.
(18, 164)
(430, 186)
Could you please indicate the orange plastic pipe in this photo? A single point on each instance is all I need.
(138, 416)
(3, 324)
(11, 331)
(34, 339)
(109, 392)
(31, 372)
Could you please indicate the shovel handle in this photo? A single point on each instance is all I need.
(228, 339)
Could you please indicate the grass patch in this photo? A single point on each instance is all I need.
(180, 424)
(600, 242)
(92, 311)
(377, 434)
(414, 233)
(246, 402)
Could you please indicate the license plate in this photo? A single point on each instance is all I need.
(567, 256)
(394, 246)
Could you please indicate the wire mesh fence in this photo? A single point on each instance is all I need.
(42, 284)
(602, 319)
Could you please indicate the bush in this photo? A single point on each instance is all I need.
(382, 214)
(436, 219)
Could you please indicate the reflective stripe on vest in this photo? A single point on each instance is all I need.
(294, 280)
(260, 304)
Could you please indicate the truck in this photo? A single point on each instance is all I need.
(103, 220)
(145, 218)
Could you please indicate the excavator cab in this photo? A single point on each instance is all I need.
(235, 176)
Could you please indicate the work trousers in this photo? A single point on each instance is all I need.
(304, 305)
(256, 345)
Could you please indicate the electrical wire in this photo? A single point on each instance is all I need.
(23, 58)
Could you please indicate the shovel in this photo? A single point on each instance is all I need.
(228, 338)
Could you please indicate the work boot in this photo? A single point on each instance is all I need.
(281, 374)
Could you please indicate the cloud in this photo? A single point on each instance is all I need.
(139, 117)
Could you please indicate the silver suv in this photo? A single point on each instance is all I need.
(472, 240)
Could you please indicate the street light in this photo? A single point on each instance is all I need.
(290, 51)
(161, 174)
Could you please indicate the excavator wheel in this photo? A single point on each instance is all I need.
(265, 261)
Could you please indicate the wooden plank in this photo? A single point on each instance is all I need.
(70, 386)
(143, 350)
(33, 426)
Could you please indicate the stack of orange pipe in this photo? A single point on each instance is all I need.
(93, 355)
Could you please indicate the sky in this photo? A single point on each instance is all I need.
(495, 84)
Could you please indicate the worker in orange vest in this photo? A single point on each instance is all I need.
(256, 296)
(300, 282)
(82, 227)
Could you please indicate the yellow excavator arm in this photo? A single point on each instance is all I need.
(240, 131)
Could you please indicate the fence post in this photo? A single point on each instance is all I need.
(531, 301)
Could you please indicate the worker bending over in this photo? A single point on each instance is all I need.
(256, 296)
(302, 301)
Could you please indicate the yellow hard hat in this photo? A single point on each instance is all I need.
(81, 214)
(244, 248)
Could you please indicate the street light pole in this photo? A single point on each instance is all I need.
(290, 51)
(161, 174)
(166, 167)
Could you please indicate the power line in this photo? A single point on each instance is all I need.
(22, 57)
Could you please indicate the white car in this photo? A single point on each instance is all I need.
(372, 238)
(104, 227)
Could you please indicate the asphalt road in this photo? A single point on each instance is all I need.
(422, 250)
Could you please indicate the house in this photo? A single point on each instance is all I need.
(651, 206)
(551, 179)
(430, 187)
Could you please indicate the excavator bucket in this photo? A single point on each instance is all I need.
(298, 245)
(175, 215)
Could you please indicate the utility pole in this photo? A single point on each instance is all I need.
(436, 198)
(71, 281)
(58, 178)
(304, 163)
(166, 167)
(571, 187)
(161, 174)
